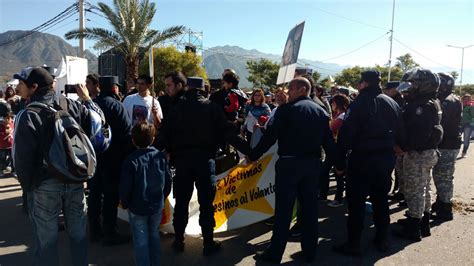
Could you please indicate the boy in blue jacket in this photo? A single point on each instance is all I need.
(144, 184)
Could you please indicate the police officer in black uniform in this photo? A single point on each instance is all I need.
(106, 180)
(368, 133)
(190, 134)
(301, 128)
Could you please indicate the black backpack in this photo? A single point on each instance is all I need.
(68, 152)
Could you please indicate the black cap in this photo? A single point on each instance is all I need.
(370, 76)
(106, 82)
(36, 75)
(392, 85)
(50, 70)
(195, 83)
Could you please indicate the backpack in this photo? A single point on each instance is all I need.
(68, 152)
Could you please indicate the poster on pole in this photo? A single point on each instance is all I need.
(290, 54)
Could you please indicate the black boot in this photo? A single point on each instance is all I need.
(425, 225)
(178, 243)
(210, 245)
(381, 240)
(444, 212)
(411, 231)
(435, 206)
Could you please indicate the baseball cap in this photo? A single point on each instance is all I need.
(36, 75)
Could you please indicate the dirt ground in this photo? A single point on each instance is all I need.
(451, 243)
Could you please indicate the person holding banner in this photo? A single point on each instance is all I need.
(189, 136)
(301, 127)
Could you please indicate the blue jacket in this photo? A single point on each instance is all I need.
(145, 181)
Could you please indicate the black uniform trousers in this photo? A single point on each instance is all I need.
(194, 168)
(296, 178)
(369, 174)
(104, 183)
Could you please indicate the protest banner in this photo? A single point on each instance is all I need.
(290, 54)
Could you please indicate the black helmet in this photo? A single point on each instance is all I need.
(446, 83)
(419, 82)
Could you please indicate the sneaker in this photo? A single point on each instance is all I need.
(463, 155)
(265, 256)
(335, 204)
(295, 230)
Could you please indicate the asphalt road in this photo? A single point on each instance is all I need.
(451, 243)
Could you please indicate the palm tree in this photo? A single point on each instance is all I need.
(131, 34)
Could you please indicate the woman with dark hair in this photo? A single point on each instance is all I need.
(339, 104)
(257, 113)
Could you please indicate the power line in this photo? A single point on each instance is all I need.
(350, 19)
(357, 49)
(46, 25)
(411, 49)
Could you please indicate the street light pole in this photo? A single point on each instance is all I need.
(462, 58)
(391, 43)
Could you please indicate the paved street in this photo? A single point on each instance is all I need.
(451, 243)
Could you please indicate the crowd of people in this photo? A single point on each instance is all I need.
(144, 146)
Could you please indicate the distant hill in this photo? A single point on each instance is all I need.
(37, 49)
(218, 58)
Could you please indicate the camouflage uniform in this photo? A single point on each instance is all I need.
(443, 174)
(417, 176)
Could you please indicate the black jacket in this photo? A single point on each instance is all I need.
(30, 133)
(301, 128)
(119, 121)
(451, 122)
(421, 129)
(195, 124)
(370, 123)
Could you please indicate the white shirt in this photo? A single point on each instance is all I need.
(139, 108)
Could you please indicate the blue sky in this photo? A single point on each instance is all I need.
(333, 28)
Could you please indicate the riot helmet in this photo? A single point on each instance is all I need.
(416, 82)
(446, 84)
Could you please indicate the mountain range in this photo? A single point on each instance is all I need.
(36, 49)
(44, 48)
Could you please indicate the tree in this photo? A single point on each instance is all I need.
(130, 34)
(455, 74)
(406, 62)
(351, 76)
(263, 74)
(168, 59)
(316, 76)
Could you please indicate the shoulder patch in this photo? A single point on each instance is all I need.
(419, 111)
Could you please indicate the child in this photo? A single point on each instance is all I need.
(144, 184)
(6, 143)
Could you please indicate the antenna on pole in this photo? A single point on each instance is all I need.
(82, 25)
(391, 43)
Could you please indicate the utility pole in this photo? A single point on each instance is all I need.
(462, 59)
(391, 43)
(82, 26)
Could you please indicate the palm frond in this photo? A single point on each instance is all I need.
(166, 34)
